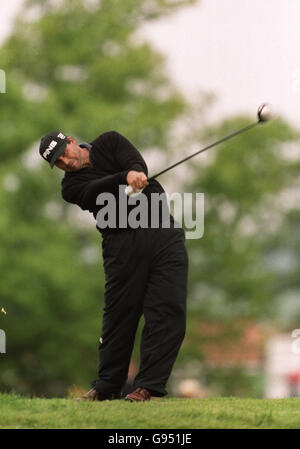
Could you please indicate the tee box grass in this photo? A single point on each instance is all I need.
(18, 412)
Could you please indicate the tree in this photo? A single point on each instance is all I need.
(237, 274)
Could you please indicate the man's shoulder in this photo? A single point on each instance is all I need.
(108, 137)
(104, 148)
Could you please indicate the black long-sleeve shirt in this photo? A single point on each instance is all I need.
(112, 157)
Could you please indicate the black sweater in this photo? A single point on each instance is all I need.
(112, 157)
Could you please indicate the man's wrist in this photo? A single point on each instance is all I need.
(123, 176)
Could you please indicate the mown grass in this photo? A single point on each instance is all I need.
(18, 412)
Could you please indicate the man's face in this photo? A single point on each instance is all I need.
(71, 159)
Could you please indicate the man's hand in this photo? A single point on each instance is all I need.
(137, 180)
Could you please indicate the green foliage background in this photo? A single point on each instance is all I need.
(77, 68)
(80, 67)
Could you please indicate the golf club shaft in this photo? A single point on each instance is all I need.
(246, 128)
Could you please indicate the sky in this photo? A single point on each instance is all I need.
(244, 52)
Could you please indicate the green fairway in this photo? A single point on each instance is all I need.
(215, 413)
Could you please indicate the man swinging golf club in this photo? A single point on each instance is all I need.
(145, 268)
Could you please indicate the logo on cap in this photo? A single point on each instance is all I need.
(49, 149)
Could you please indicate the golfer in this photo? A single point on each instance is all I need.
(145, 268)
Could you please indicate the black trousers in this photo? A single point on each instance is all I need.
(146, 273)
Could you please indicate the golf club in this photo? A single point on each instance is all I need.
(264, 114)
